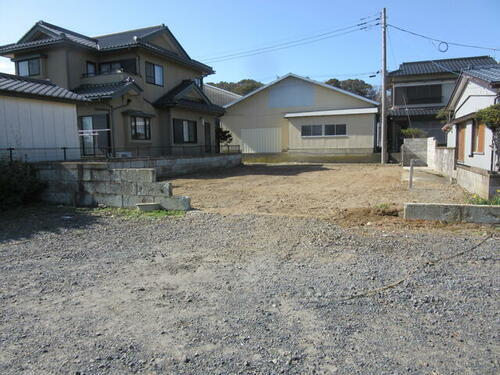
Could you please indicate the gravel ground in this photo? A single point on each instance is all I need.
(85, 292)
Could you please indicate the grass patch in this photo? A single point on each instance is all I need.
(476, 199)
(132, 213)
(383, 206)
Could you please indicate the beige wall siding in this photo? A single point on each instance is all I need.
(360, 133)
(255, 111)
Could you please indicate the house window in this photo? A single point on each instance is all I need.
(91, 69)
(140, 128)
(154, 74)
(421, 94)
(312, 130)
(185, 131)
(199, 82)
(478, 130)
(127, 65)
(335, 129)
(29, 67)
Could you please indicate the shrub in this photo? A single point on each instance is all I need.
(491, 118)
(413, 133)
(476, 199)
(223, 136)
(19, 183)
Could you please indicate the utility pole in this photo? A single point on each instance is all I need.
(383, 114)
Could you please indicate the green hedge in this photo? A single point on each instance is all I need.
(19, 184)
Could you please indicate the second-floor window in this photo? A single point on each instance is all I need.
(154, 74)
(91, 69)
(127, 65)
(29, 67)
(421, 94)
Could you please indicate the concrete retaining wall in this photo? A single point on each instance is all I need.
(171, 167)
(452, 213)
(414, 148)
(441, 159)
(478, 181)
(91, 184)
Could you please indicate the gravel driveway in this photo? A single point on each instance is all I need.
(84, 292)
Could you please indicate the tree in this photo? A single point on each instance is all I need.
(356, 86)
(223, 136)
(242, 87)
(490, 116)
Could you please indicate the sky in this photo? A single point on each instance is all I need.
(211, 29)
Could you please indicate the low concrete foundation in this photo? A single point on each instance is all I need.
(452, 213)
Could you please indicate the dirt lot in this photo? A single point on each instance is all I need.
(345, 193)
(214, 292)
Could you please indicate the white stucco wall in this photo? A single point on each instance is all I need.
(473, 98)
(30, 123)
(478, 160)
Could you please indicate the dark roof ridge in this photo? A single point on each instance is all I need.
(453, 58)
(27, 79)
(64, 30)
(128, 31)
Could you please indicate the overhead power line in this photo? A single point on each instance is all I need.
(442, 41)
(289, 39)
(298, 42)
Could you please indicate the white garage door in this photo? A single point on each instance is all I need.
(261, 140)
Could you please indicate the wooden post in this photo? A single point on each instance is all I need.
(410, 178)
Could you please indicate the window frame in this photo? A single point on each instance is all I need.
(151, 79)
(185, 125)
(89, 74)
(478, 138)
(37, 59)
(323, 131)
(133, 128)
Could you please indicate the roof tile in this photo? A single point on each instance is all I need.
(441, 66)
(35, 87)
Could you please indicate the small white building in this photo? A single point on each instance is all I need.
(38, 120)
(477, 88)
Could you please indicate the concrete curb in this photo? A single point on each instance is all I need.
(452, 213)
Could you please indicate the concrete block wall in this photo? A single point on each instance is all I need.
(414, 148)
(171, 167)
(91, 184)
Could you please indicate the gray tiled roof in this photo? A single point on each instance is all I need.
(488, 73)
(173, 98)
(441, 66)
(24, 86)
(219, 96)
(422, 111)
(106, 90)
(125, 39)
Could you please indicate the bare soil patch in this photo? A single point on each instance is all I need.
(350, 194)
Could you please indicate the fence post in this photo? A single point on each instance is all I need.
(64, 152)
(10, 153)
(410, 178)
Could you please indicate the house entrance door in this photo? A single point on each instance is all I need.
(461, 142)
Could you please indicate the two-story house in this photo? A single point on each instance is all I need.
(419, 90)
(146, 93)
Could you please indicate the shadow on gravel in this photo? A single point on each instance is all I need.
(24, 222)
(256, 170)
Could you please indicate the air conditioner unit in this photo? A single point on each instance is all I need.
(123, 154)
